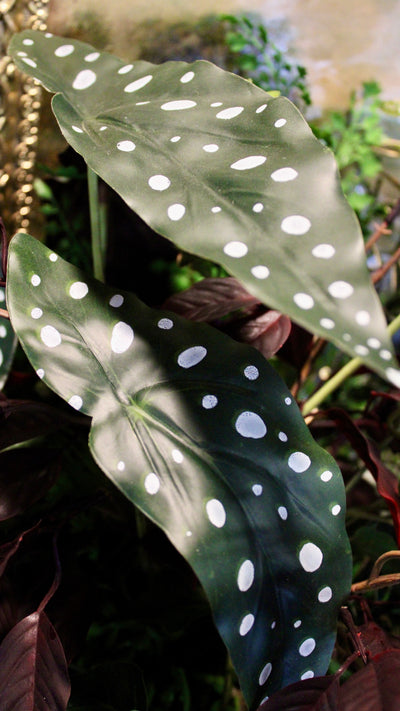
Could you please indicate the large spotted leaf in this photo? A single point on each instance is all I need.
(226, 172)
(200, 433)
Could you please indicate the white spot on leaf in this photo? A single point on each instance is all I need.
(176, 211)
(116, 301)
(340, 289)
(187, 77)
(323, 251)
(327, 323)
(284, 175)
(216, 513)
(177, 456)
(30, 62)
(92, 57)
(248, 162)
(209, 402)
(307, 647)
(325, 594)
(50, 336)
(36, 313)
(230, 113)
(245, 578)
(138, 84)
(126, 146)
(260, 271)
(303, 301)
(236, 249)
(35, 280)
(257, 489)
(159, 182)
(192, 356)
(258, 207)
(122, 337)
(295, 225)
(265, 674)
(326, 476)
(78, 290)
(165, 324)
(310, 557)
(246, 624)
(152, 483)
(251, 372)
(210, 148)
(76, 402)
(282, 511)
(250, 425)
(64, 50)
(299, 462)
(363, 318)
(178, 105)
(125, 69)
(84, 79)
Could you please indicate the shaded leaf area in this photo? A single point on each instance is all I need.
(212, 299)
(226, 172)
(33, 671)
(367, 450)
(8, 341)
(29, 459)
(200, 433)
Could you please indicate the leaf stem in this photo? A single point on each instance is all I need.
(341, 376)
(98, 226)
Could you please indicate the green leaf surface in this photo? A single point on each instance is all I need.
(8, 343)
(226, 172)
(200, 433)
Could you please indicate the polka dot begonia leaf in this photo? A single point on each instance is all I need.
(8, 340)
(226, 172)
(202, 434)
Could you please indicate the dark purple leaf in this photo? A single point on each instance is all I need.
(387, 483)
(320, 693)
(267, 332)
(211, 299)
(21, 420)
(376, 687)
(26, 474)
(33, 670)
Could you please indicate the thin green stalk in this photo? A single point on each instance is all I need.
(336, 380)
(98, 226)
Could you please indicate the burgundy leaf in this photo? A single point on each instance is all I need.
(387, 483)
(211, 299)
(22, 420)
(267, 332)
(375, 639)
(25, 476)
(33, 670)
(316, 694)
(376, 687)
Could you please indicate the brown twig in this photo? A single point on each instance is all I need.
(384, 226)
(378, 274)
(376, 581)
(316, 348)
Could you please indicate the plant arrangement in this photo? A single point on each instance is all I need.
(196, 429)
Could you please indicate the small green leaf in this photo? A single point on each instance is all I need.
(200, 433)
(226, 172)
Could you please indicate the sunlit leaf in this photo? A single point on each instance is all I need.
(200, 433)
(226, 172)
